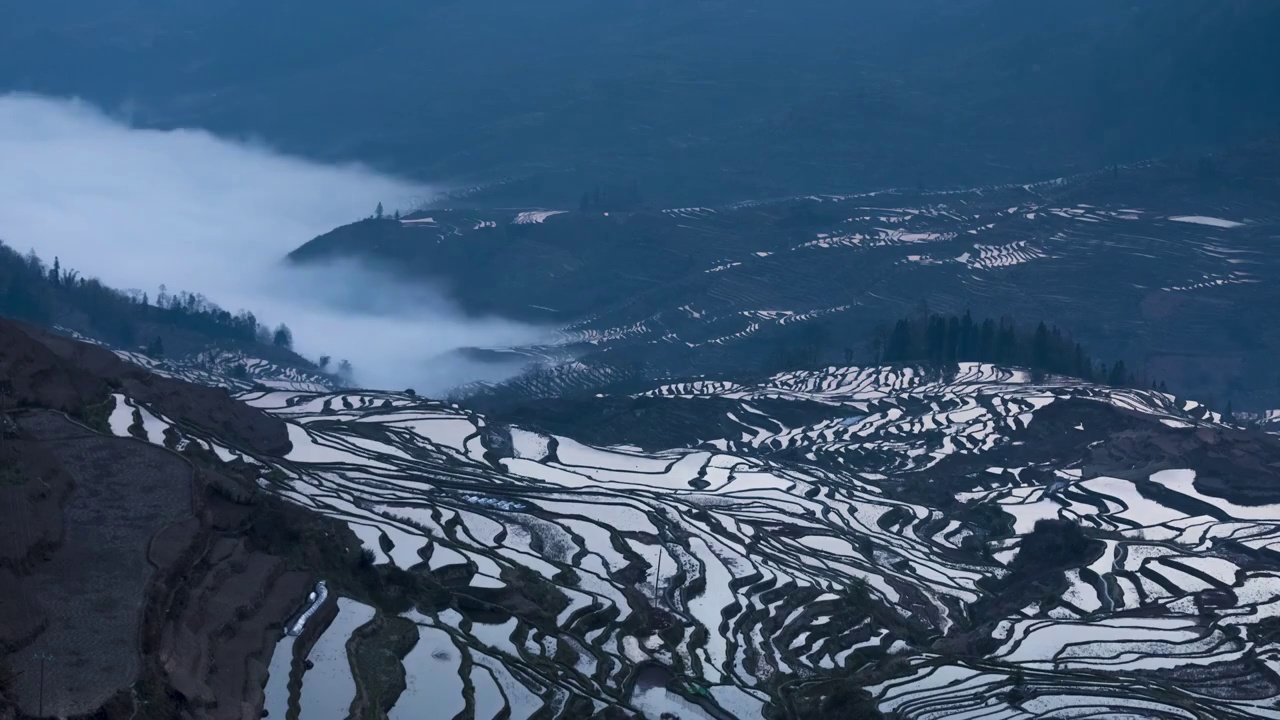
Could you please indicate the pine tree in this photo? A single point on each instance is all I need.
(951, 351)
(1040, 348)
(967, 335)
(987, 342)
(899, 346)
(1007, 343)
(937, 338)
(1080, 365)
(378, 212)
(1118, 376)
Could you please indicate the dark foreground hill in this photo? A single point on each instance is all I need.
(134, 577)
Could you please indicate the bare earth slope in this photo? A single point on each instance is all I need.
(93, 586)
(132, 575)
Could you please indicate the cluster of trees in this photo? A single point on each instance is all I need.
(44, 294)
(380, 214)
(344, 371)
(943, 340)
(50, 295)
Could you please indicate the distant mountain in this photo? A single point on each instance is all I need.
(696, 102)
(1151, 264)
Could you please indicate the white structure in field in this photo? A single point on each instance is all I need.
(317, 599)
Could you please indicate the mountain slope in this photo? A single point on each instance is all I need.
(1143, 263)
(793, 554)
(699, 102)
(810, 544)
(138, 574)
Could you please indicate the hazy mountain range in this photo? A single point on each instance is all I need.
(702, 101)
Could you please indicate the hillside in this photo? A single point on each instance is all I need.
(107, 539)
(179, 325)
(810, 545)
(1147, 264)
(703, 102)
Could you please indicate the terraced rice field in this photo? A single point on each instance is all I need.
(820, 523)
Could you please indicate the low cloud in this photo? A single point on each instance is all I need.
(138, 208)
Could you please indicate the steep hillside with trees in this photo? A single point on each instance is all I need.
(171, 323)
(944, 340)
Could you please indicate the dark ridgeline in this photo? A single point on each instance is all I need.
(941, 341)
(53, 295)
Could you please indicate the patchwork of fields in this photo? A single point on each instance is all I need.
(848, 525)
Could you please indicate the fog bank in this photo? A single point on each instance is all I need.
(138, 208)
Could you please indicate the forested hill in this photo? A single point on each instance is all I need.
(178, 323)
(1148, 264)
(942, 341)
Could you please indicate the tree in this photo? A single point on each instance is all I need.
(1081, 365)
(968, 336)
(378, 213)
(936, 338)
(1007, 342)
(1040, 347)
(1118, 375)
(345, 371)
(156, 349)
(283, 337)
(323, 362)
(953, 341)
(987, 341)
(815, 337)
(898, 348)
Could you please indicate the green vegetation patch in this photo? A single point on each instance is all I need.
(376, 656)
